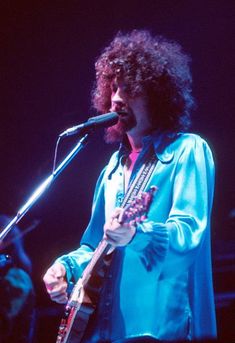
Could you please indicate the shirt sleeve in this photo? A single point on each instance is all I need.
(178, 239)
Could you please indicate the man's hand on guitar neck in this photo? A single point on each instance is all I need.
(56, 283)
(116, 232)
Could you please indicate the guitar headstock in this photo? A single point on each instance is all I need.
(137, 210)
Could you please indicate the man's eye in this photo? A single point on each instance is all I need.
(114, 88)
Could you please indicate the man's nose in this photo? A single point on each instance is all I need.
(117, 97)
(117, 101)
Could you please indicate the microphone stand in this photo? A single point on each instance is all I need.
(44, 186)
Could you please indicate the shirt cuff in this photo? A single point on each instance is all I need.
(151, 237)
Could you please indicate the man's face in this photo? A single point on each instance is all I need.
(135, 119)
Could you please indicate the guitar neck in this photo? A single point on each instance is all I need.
(97, 259)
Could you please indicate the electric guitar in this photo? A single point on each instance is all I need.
(84, 297)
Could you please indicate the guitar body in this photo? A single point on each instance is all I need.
(77, 313)
(84, 297)
(85, 294)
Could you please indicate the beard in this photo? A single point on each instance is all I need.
(115, 133)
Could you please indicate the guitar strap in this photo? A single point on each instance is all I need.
(141, 179)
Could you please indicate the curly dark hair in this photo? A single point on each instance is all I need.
(148, 65)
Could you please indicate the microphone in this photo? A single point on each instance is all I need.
(103, 120)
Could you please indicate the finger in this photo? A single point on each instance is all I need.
(52, 283)
(119, 224)
(50, 278)
(56, 291)
(111, 241)
(133, 222)
(54, 273)
(59, 274)
(114, 234)
(61, 299)
(116, 212)
(58, 270)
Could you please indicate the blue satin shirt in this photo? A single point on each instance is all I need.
(160, 284)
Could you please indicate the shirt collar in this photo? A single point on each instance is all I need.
(161, 142)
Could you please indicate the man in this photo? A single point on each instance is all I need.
(158, 285)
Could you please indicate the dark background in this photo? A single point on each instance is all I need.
(48, 49)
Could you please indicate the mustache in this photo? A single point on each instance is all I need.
(115, 133)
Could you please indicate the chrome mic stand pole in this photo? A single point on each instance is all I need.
(44, 186)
